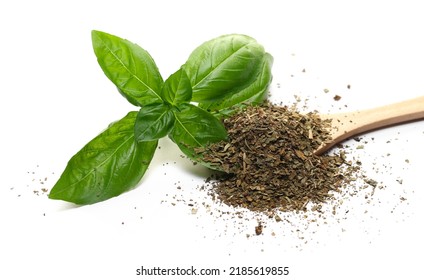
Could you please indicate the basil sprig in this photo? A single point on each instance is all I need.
(219, 76)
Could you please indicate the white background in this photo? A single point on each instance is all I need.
(55, 98)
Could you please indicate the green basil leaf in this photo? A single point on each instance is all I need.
(129, 67)
(254, 92)
(107, 166)
(195, 127)
(177, 88)
(153, 122)
(222, 65)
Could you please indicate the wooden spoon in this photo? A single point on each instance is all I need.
(346, 125)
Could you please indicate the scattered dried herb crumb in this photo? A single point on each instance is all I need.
(337, 97)
(258, 229)
(371, 182)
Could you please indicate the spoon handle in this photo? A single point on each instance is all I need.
(346, 125)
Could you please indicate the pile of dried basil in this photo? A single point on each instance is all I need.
(269, 161)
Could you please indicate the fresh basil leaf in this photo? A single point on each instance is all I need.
(222, 65)
(153, 122)
(194, 127)
(254, 92)
(177, 88)
(129, 67)
(107, 166)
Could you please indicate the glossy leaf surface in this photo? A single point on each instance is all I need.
(177, 88)
(110, 164)
(254, 92)
(194, 127)
(222, 65)
(129, 67)
(153, 122)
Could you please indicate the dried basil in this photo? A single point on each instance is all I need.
(269, 160)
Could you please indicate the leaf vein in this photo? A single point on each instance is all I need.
(133, 75)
